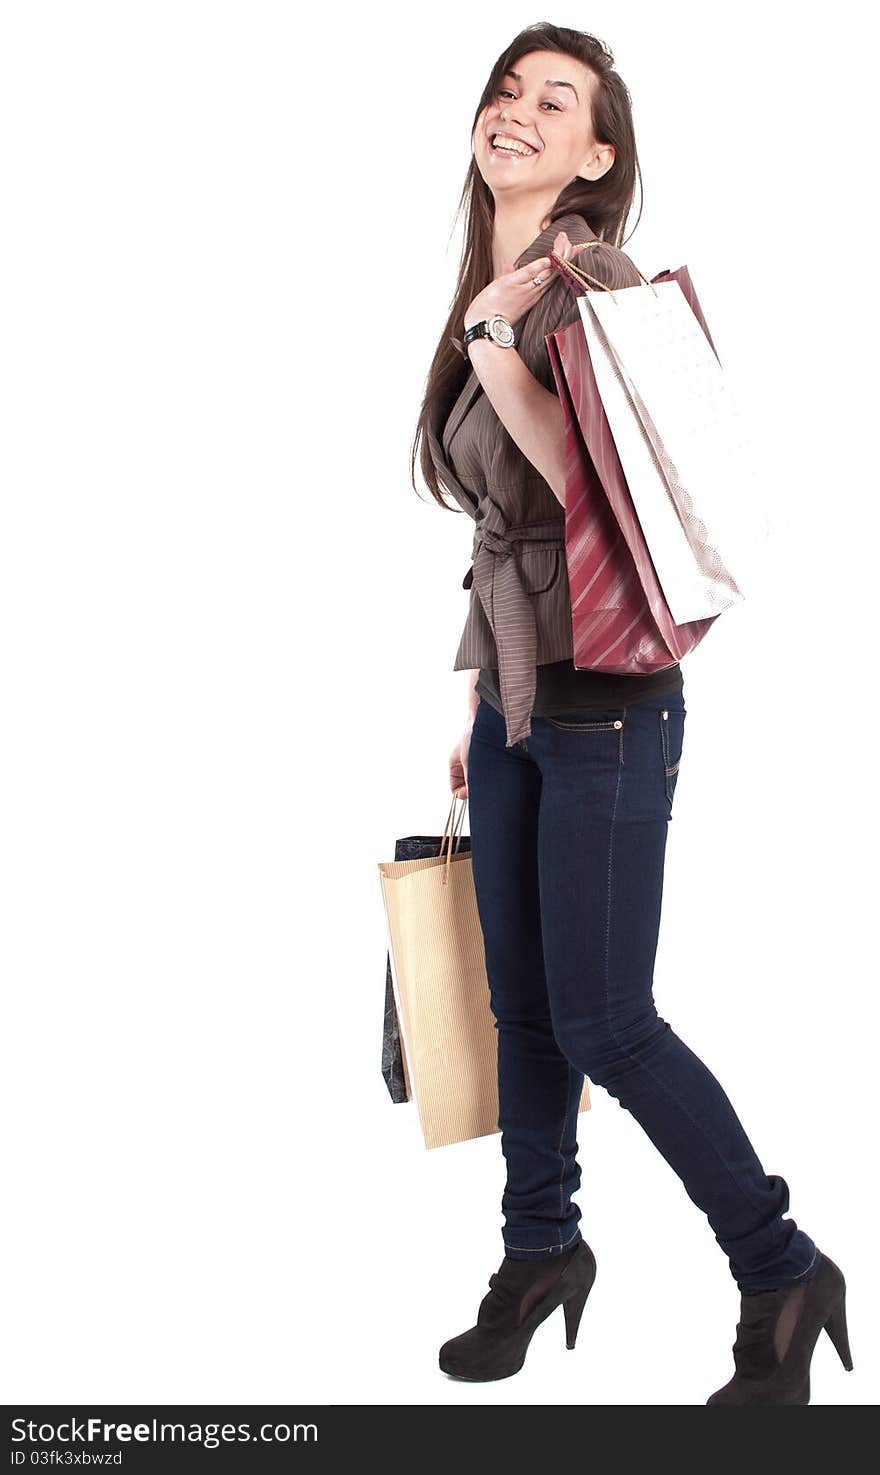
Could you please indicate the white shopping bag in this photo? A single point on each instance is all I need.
(681, 441)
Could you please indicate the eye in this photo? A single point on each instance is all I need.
(505, 91)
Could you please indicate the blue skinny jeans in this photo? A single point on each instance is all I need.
(568, 840)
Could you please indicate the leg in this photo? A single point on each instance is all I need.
(538, 1087)
(605, 808)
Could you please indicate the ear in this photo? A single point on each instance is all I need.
(597, 162)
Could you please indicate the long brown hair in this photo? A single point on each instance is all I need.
(604, 203)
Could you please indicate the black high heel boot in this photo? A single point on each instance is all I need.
(777, 1334)
(522, 1294)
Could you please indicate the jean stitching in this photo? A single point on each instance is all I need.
(627, 1053)
(583, 726)
(784, 1285)
(539, 1249)
(559, 1148)
(810, 1266)
(664, 743)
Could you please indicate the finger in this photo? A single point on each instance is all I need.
(563, 245)
(534, 269)
(540, 278)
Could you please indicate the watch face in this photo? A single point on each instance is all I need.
(501, 331)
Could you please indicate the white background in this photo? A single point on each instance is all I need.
(228, 629)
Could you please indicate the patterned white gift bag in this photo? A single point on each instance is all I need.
(682, 443)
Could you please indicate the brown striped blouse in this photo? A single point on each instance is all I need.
(519, 614)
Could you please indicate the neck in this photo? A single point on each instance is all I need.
(515, 226)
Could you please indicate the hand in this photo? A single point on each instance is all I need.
(514, 292)
(458, 764)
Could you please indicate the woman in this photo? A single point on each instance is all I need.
(570, 775)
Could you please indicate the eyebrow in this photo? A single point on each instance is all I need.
(548, 83)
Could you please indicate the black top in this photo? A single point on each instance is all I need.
(563, 688)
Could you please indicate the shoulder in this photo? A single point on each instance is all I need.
(608, 264)
(604, 265)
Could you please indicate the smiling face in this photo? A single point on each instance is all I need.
(537, 133)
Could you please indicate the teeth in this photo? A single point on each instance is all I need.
(514, 146)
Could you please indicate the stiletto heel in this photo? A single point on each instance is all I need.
(574, 1310)
(835, 1326)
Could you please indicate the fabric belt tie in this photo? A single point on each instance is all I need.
(497, 577)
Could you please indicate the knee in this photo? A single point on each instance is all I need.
(590, 1047)
(521, 1017)
(601, 1047)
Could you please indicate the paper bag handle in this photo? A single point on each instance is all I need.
(451, 832)
(572, 270)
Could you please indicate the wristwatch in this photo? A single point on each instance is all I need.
(496, 327)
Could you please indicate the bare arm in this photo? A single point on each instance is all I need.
(458, 758)
(473, 700)
(530, 414)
